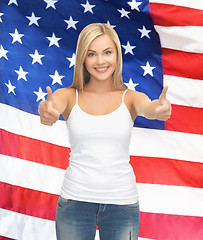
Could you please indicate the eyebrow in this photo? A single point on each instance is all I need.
(103, 50)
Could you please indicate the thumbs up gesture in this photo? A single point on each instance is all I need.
(50, 97)
(47, 109)
(163, 110)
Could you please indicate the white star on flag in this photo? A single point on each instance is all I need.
(21, 74)
(88, 7)
(72, 60)
(71, 23)
(10, 87)
(148, 69)
(1, 14)
(113, 26)
(13, 1)
(145, 32)
(51, 3)
(56, 78)
(33, 19)
(124, 13)
(131, 85)
(36, 57)
(53, 40)
(3, 52)
(16, 36)
(134, 5)
(128, 48)
(40, 94)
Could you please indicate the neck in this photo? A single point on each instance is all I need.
(99, 86)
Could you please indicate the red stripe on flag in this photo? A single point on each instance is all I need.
(33, 150)
(168, 227)
(5, 238)
(28, 201)
(170, 15)
(167, 171)
(182, 64)
(185, 119)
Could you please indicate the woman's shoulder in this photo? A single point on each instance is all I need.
(65, 92)
(134, 93)
(64, 96)
(133, 96)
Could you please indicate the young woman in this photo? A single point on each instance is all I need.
(99, 186)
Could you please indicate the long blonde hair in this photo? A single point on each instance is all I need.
(87, 35)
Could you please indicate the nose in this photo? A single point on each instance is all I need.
(100, 59)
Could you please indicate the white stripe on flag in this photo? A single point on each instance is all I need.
(188, 38)
(170, 199)
(30, 174)
(27, 124)
(196, 4)
(23, 227)
(167, 144)
(184, 91)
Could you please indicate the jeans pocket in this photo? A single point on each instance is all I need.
(132, 206)
(64, 201)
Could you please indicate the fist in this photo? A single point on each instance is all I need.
(47, 109)
(163, 110)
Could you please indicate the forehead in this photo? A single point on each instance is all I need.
(102, 42)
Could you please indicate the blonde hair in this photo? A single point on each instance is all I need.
(88, 34)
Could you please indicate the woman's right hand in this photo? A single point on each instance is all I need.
(47, 109)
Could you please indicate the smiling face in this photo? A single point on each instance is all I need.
(101, 58)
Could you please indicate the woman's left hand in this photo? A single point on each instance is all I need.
(163, 110)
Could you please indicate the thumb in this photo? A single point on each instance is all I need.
(50, 97)
(162, 97)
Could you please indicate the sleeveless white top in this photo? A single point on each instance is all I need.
(99, 170)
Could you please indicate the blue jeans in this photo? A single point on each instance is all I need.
(77, 220)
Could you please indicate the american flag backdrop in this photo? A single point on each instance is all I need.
(162, 44)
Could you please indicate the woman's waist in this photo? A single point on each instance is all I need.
(104, 178)
(90, 160)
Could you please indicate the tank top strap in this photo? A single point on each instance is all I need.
(76, 102)
(124, 95)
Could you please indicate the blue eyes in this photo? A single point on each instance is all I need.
(107, 52)
(91, 54)
(94, 54)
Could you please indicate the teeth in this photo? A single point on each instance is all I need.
(101, 69)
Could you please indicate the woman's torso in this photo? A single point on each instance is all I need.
(99, 169)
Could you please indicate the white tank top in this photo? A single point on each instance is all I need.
(99, 170)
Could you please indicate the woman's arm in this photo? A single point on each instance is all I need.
(51, 108)
(159, 109)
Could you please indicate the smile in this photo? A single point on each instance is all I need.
(103, 69)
